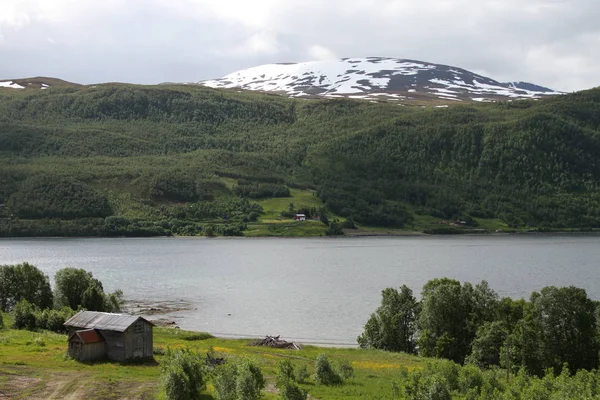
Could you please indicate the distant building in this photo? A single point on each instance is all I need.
(300, 217)
(116, 337)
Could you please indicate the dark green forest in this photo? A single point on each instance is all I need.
(126, 160)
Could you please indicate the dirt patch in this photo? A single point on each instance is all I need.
(75, 386)
(12, 385)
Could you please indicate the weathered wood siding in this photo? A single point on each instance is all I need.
(86, 352)
(139, 341)
(115, 345)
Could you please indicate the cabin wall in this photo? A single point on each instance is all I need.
(139, 341)
(86, 352)
(115, 345)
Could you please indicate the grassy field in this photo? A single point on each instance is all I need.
(33, 365)
(271, 223)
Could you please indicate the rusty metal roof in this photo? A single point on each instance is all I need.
(102, 321)
(88, 336)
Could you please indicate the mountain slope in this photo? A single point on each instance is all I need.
(153, 160)
(377, 78)
(38, 82)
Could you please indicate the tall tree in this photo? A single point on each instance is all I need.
(77, 287)
(450, 316)
(392, 326)
(24, 281)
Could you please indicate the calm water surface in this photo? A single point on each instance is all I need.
(312, 290)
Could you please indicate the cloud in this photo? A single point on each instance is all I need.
(549, 42)
(259, 43)
(318, 52)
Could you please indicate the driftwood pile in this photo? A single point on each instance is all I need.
(276, 342)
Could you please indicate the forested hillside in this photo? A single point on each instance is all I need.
(156, 160)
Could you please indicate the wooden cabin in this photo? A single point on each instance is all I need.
(116, 337)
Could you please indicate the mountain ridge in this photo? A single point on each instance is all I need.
(376, 78)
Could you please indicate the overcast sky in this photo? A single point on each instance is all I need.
(554, 43)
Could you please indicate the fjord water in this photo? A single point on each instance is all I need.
(318, 290)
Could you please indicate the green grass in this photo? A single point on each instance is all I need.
(288, 228)
(271, 223)
(42, 371)
(299, 198)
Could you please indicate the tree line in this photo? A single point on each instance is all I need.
(471, 324)
(26, 291)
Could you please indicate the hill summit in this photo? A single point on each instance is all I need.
(376, 78)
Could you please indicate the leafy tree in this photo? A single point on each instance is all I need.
(184, 374)
(93, 297)
(485, 349)
(450, 316)
(78, 288)
(564, 321)
(392, 326)
(24, 281)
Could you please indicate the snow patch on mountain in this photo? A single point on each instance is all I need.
(11, 84)
(372, 77)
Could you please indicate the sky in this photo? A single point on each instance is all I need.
(553, 43)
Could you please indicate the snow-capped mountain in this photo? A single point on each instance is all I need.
(377, 78)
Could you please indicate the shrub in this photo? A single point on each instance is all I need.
(224, 381)
(24, 315)
(344, 369)
(438, 390)
(1, 321)
(249, 381)
(324, 374)
(241, 379)
(184, 374)
(285, 373)
(301, 373)
(291, 391)
(56, 319)
(470, 378)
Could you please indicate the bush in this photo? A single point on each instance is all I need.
(345, 370)
(302, 373)
(241, 379)
(184, 374)
(249, 381)
(285, 373)
(438, 390)
(470, 378)
(56, 319)
(224, 381)
(324, 374)
(291, 391)
(1, 321)
(24, 315)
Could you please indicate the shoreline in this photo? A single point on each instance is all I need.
(363, 234)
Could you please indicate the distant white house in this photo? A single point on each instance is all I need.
(300, 217)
